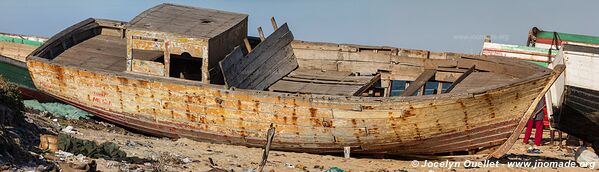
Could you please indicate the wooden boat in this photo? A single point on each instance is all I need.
(575, 95)
(13, 51)
(539, 56)
(181, 71)
(577, 102)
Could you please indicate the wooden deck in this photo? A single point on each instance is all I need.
(482, 79)
(103, 52)
(305, 81)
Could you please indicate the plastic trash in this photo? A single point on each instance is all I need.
(58, 109)
(586, 158)
(335, 169)
(69, 129)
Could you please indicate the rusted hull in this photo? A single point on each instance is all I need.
(175, 108)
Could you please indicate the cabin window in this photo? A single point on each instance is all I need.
(430, 87)
(398, 87)
(185, 66)
(147, 62)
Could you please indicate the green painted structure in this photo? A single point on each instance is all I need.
(570, 37)
(14, 39)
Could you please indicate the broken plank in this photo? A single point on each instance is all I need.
(374, 79)
(268, 62)
(420, 81)
(460, 79)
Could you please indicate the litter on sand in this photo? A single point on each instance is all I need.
(57, 109)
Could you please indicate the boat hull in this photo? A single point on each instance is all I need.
(580, 114)
(16, 73)
(306, 123)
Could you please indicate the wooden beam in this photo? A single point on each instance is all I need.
(261, 33)
(247, 45)
(274, 23)
(372, 81)
(460, 79)
(440, 88)
(420, 81)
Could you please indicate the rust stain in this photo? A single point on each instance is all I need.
(367, 107)
(190, 117)
(406, 114)
(202, 119)
(313, 112)
(327, 124)
(256, 106)
(417, 131)
(218, 101)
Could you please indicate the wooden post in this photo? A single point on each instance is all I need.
(440, 88)
(419, 82)
(261, 33)
(346, 152)
(247, 44)
(559, 138)
(269, 136)
(167, 60)
(552, 137)
(129, 53)
(274, 23)
(487, 38)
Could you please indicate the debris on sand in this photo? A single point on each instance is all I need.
(57, 109)
(586, 158)
(106, 150)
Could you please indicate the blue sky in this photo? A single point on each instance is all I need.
(441, 25)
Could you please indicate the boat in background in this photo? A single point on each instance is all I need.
(539, 56)
(552, 40)
(576, 98)
(13, 51)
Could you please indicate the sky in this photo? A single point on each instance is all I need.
(436, 25)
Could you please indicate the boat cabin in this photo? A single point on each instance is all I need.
(181, 41)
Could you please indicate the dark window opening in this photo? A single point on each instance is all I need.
(430, 87)
(185, 66)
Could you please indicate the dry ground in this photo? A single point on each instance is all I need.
(152, 153)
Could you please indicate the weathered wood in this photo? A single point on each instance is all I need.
(557, 71)
(420, 81)
(477, 80)
(185, 20)
(440, 88)
(460, 79)
(324, 82)
(248, 47)
(261, 33)
(315, 123)
(148, 67)
(274, 23)
(365, 87)
(266, 48)
(270, 61)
